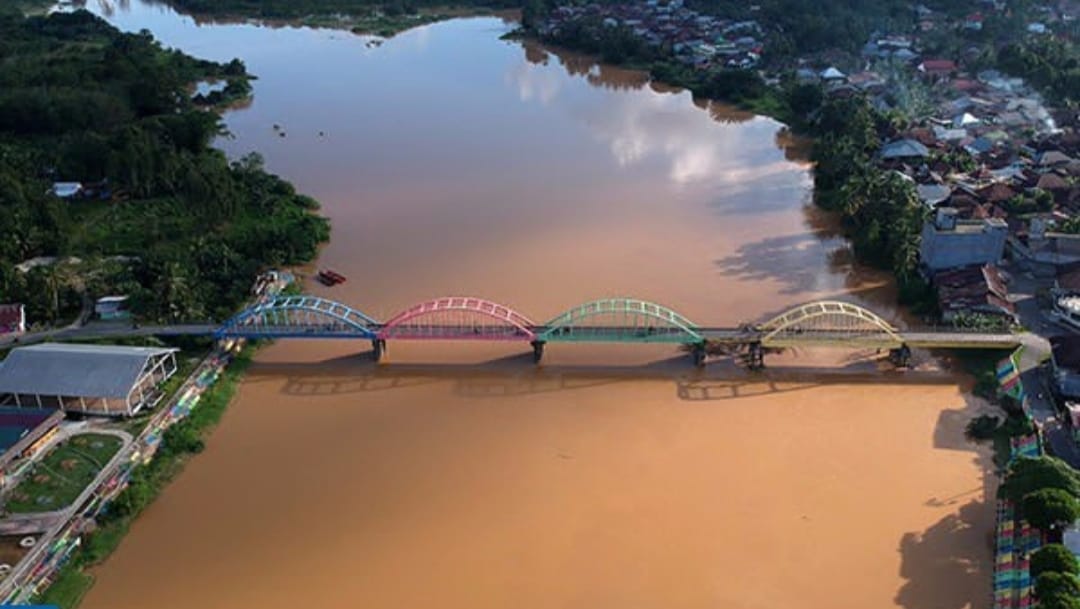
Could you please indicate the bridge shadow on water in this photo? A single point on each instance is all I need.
(721, 380)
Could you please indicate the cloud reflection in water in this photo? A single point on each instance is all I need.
(722, 147)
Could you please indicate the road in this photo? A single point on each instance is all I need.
(106, 329)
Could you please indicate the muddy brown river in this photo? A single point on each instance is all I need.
(460, 475)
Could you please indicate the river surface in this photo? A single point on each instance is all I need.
(462, 476)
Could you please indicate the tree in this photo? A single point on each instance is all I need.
(1054, 558)
(1059, 601)
(1050, 508)
(1026, 475)
(1049, 585)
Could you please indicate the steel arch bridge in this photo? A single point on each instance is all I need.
(829, 323)
(299, 317)
(621, 320)
(458, 318)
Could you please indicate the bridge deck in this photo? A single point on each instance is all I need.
(731, 336)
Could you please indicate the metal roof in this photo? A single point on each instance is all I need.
(75, 370)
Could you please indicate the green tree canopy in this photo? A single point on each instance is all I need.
(1054, 558)
(1050, 508)
(1027, 474)
(1049, 585)
(1059, 601)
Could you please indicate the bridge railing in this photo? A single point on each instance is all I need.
(951, 329)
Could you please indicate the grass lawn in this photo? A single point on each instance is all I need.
(55, 481)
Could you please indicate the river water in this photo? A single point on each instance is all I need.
(460, 475)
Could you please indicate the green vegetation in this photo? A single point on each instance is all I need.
(880, 210)
(294, 9)
(1059, 602)
(981, 364)
(382, 17)
(178, 443)
(1027, 475)
(831, 24)
(68, 590)
(987, 428)
(1054, 557)
(61, 475)
(1048, 509)
(1050, 585)
(982, 427)
(1049, 63)
(82, 102)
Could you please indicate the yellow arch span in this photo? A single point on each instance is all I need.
(828, 316)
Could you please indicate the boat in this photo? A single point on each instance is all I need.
(330, 278)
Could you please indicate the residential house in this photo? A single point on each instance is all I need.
(904, 149)
(937, 68)
(832, 75)
(1044, 249)
(1050, 159)
(949, 242)
(973, 290)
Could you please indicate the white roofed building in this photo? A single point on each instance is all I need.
(94, 379)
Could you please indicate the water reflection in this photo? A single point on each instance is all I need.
(643, 125)
(636, 127)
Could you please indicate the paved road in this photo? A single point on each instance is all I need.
(106, 329)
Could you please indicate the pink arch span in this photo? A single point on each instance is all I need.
(411, 322)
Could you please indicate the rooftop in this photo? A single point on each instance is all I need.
(1066, 350)
(903, 149)
(75, 370)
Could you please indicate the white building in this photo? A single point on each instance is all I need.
(94, 379)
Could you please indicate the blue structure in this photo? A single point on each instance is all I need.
(299, 317)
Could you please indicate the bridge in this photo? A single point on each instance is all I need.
(613, 320)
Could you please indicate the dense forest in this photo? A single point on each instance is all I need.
(172, 223)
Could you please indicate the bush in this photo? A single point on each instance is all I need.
(981, 427)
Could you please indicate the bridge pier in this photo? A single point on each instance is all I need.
(901, 356)
(755, 356)
(538, 350)
(697, 352)
(378, 348)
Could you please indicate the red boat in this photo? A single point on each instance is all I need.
(331, 278)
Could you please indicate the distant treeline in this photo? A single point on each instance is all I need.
(293, 9)
(82, 102)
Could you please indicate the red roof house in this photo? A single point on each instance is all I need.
(938, 67)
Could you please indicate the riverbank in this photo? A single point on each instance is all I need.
(179, 443)
(383, 19)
